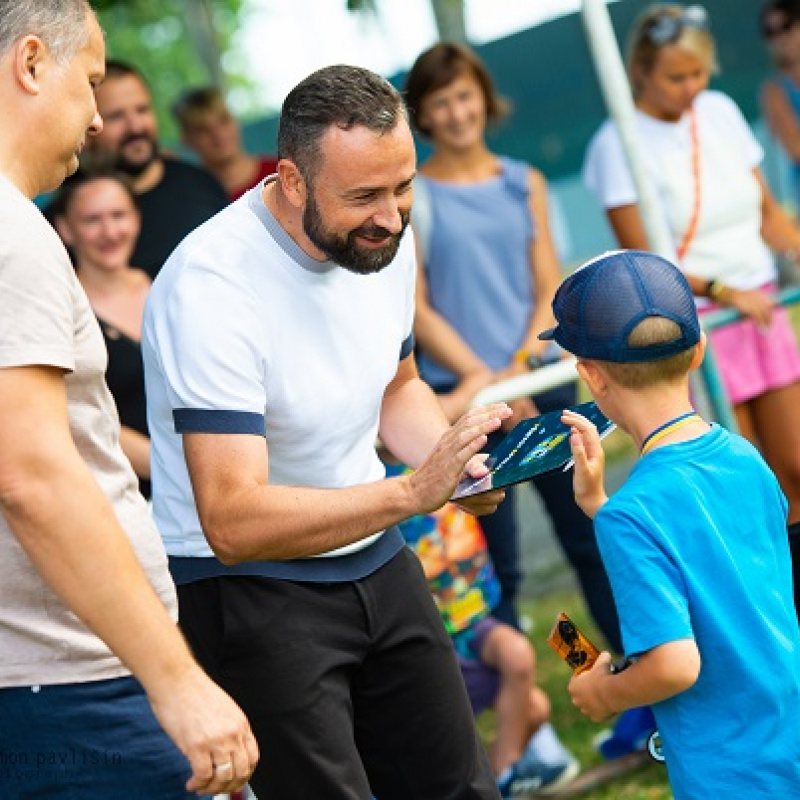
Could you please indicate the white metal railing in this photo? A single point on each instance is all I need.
(540, 380)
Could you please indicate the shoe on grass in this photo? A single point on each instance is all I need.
(545, 768)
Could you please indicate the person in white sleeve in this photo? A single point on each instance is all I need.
(278, 346)
(703, 160)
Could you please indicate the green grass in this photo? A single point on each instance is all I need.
(575, 730)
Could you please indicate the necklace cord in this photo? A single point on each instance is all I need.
(668, 427)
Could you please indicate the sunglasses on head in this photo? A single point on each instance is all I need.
(777, 28)
(665, 28)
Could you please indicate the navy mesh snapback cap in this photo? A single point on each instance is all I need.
(598, 306)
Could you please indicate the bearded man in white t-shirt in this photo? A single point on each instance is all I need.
(278, 346)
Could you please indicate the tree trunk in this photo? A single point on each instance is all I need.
(450, 21)
(200, 26)
(449, 15)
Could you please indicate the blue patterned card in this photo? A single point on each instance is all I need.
(534, 447)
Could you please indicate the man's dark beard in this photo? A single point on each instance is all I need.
(345, 251)
(136, 168)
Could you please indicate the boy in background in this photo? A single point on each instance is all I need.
(694, 542)
(209, 128)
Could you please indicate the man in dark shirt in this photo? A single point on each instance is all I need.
(174, 197)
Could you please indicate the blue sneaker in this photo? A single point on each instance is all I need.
(629, 734)
(520, 781)
(533, 774)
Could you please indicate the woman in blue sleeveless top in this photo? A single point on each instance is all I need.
(488, 272)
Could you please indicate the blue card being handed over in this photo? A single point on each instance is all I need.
(534, 447)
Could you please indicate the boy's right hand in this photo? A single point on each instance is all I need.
(587, 451)
(588, 690)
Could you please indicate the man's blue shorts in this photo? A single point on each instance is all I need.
(83, 741)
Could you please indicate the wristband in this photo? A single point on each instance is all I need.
(527, 358)
(717, 291)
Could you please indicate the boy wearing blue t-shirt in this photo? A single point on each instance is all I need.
(694, 542)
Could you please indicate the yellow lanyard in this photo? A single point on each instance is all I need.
(667, 428)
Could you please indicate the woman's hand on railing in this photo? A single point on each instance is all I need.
(753, 303)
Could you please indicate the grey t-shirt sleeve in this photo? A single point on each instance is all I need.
(38, 288)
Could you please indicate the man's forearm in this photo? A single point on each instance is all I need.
(412, 422)
(246, 518)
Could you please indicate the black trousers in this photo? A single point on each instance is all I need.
(352, 689)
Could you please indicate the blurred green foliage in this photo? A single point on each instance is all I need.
(156, 36)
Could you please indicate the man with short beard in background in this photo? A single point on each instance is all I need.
(278, 345)
(174, 197)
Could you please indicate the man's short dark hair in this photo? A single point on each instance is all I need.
(339, 95)
(115, 68)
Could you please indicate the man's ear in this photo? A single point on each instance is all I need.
(30, 55)
(292, 183)
(593, 376)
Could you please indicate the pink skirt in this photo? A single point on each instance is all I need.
(753, 360)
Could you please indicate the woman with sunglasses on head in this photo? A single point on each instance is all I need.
(96, 216)
(780, 93)
(703, 160)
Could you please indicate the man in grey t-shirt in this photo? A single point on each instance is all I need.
(86, 598)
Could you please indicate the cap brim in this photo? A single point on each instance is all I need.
(550, 333)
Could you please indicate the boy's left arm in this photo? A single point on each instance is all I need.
(656, 675)
(587, 453)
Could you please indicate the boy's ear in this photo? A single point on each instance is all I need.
(699, 352)
(593, 376)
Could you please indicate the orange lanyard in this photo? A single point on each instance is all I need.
(691, 230)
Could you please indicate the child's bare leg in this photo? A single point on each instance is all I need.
(521, 707)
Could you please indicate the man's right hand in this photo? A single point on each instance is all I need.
(435, 481)
(210, 730)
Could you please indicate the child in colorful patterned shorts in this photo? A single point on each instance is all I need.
(496, 660)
